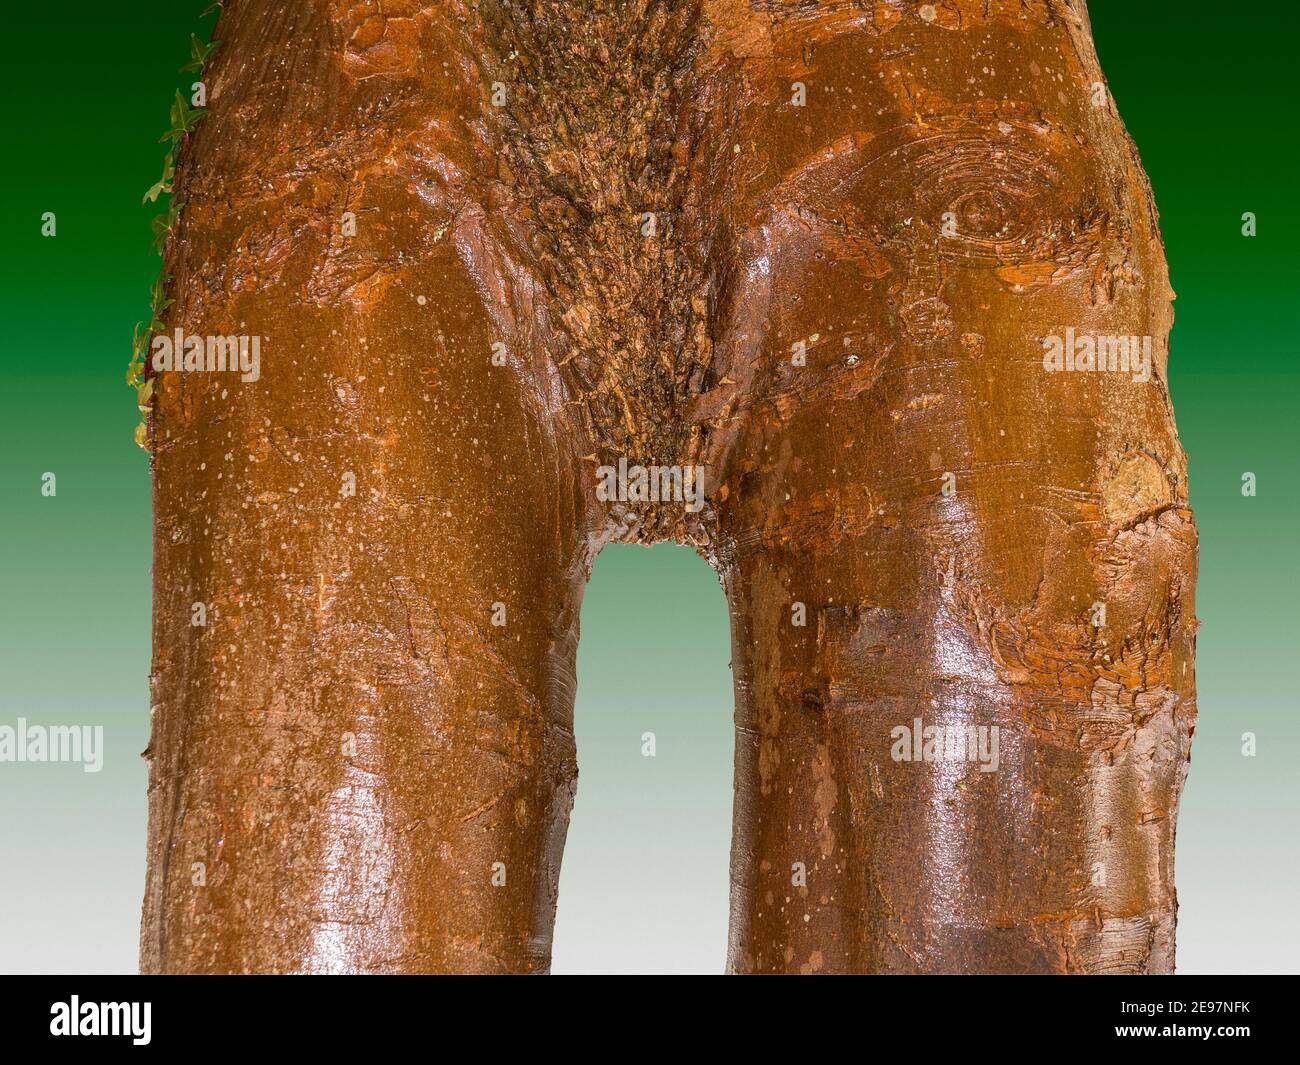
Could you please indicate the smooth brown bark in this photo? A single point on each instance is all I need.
(836, 307)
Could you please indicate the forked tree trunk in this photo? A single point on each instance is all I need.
(820, 261)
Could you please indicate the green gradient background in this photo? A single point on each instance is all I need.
(1211, 104)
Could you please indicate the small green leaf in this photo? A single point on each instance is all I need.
(157, 297)
(199, 53)
(163, 225)
(163, 184)
(160, 233)
(196, 54)
(183, 118)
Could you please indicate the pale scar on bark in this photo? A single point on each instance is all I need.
(805, 258)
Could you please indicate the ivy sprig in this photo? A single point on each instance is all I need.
(183, 119)
(140, 341)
